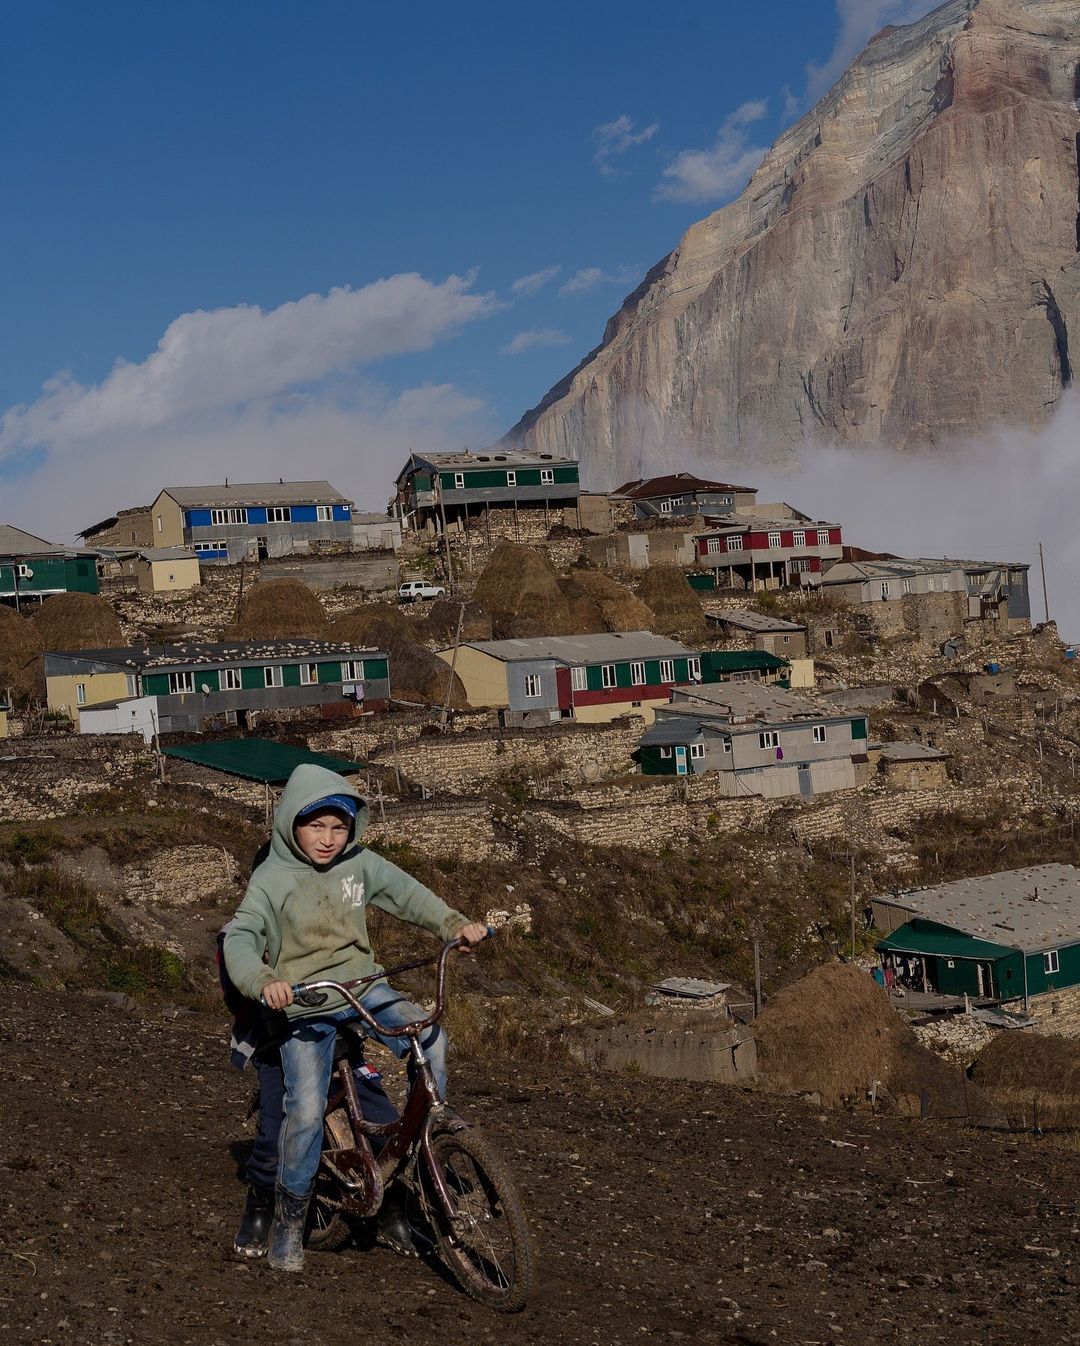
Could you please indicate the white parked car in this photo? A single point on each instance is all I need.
(415, 591)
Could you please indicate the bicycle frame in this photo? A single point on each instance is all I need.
(356, 1167)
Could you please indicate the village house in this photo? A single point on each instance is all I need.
(683, 493)
(761, 740)
(762, 552)
(762, 631)
(375, 532)
(126, 528)
(1006, 936)
(589, 678)
(198, 685)
(32, 569)
(744, 666)
(162, 570)
(438, 491)
(911, 766)
(932, 597)
(252, 520)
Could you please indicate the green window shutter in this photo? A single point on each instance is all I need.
(682, 670)
(594, 678)
(290, 675)
(376, 670)
(858, 729)
(330, 672)
(652, 671)
(622, 675)
(251, 678)
(447, 480)
(155, 684)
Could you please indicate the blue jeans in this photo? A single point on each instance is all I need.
(307, 1058)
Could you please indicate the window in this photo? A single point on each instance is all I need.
(798, 538)
(80, 693)
(607, 673)
(775, 538)
(160, 527)
(511, 478)
(181, 682)
(132, 685)
(352, 670)
(734, 543)
(324, 513)
(667, 670)
(637, 674)
(819, 733)
(547, 476)
(665, 752)
(229, 679)
(219, 516)
(799, 565)
(533, 686)
(273, 676)
(279, 514)
(309, 673)
(769, 738)
(905, 587)
(693, 667)
(727, 743)
(697, 750)
(823, 537)
(578, 679)
(1051, 963)
(208, 546)
(884, 588)
(459, 481)
(665, 506)
(25, 572)
(714, 545)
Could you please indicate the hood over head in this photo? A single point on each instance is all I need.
(307, 785)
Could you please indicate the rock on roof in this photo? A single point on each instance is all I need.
(257, 493)
(911, 752)
(746, 620)
(196, 653)
(605, 647)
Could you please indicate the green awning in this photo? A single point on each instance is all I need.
(940, 941)
(259, 759)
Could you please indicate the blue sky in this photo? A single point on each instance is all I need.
(299, 226)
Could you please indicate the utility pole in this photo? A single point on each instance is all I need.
(446, 535)
(757, 978)
(445, 712)
(852, 859)
(1042, 569)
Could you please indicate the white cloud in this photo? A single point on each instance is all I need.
(721, 171)
(858, 21)
(536, 336)
(246, 394)
(592, 277)
(613, 139)
(534, 281)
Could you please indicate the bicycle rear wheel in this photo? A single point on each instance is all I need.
(486, 1244)
(328, 1229)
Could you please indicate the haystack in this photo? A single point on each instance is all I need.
(416, 673)
(1032, 1078)
(442, 622)
(274, 609)
(599, 603)
(20, 646)
(676, 607)
(833, 1033)
(520, 589)
(78, 622)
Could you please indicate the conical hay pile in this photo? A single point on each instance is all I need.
(416, 673)
(20, 647)
(599, 603)
(442, 621)
(676, 607)
(520, 589)
(1027, 1073)
(280, 608)
(78, 622)
(833, 1033)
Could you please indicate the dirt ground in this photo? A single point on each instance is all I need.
(661, 1211)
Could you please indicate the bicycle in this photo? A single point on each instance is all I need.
(459, 1187)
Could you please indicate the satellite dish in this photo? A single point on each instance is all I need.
(204, 687)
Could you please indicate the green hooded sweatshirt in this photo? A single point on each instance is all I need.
(311, 922)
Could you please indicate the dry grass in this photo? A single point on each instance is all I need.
(599, 603)
(442, 621)
(1032, 1077)
(280, 608)
(416, 674)
(834, 1033)
(78, 622)
(676, 607)
(519, 587)
(20, 646)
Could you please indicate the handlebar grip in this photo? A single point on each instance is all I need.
(311, 999)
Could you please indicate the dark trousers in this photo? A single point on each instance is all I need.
(262, 1165)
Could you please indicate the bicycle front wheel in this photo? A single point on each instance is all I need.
(486, 1243)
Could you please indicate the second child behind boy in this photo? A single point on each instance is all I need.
(305, 910)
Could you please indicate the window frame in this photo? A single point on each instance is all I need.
(181, 682)
(768, 739)
(776, 538)
(697, 751)
(822, 537)
(665, 750)
(80, 693)
(579, 678)
(735, 542)
(693, 668)
(324, 514)
(607, 671)
(665, 506)
(637, 673)
(352, 670)
(459, 481)
(547, 476)
(1051, 962)
(279, 514)
(273, 676)
(885, 589)
(533, 686)
(511, 476)
(821, 733)
(712, 546)
(798, 537)
(230, 679)
(667, 670)
(306, 672)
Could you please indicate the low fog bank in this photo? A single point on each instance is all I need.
(993, 499)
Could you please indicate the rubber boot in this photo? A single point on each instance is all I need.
(392, 1226)
(286, 1251)
(251, 1237)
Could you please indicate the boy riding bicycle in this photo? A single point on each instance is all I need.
(305, 910)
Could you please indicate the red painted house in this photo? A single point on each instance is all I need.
(748, 552)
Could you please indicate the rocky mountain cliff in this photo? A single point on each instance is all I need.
(902, 268)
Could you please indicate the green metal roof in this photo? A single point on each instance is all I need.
(734, 661)
(940, 941)
(258, 759)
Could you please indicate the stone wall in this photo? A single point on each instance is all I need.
(46, 776)
(463, 828)
(376, 572)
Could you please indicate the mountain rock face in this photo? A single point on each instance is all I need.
(902, 268)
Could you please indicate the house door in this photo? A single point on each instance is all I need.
(263, 546)
(986, 980)
(806, 785)
(680, 761)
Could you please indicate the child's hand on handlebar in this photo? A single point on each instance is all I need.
(277, 995)
(472, 934)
